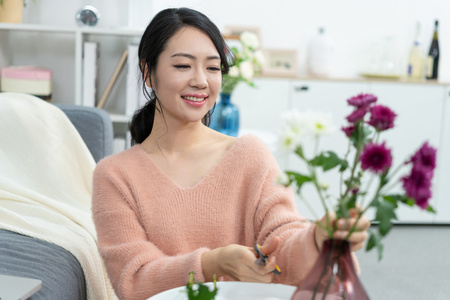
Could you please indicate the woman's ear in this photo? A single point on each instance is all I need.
(147, 76)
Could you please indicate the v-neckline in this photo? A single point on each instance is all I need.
(219, 162)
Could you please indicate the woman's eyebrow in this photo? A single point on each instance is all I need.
(212, 57)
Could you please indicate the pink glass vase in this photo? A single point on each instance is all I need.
(333, 277)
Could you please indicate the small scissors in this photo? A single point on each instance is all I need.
(262, 260)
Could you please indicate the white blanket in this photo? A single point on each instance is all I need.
(46, 183)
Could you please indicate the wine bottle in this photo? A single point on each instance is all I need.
(416, 57)
(433, 55)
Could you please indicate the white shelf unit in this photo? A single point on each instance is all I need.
(80, 35)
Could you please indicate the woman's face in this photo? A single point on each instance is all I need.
(188, 76)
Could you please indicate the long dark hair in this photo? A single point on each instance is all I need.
(154, 40)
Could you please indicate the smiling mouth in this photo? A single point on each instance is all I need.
(194, 99)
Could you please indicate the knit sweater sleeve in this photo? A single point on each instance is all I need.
(136, 267)
(276, 216)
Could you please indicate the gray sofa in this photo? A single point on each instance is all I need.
(61, 274)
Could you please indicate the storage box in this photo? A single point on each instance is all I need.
(27, 79)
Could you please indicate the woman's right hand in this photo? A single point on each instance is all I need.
(238, 262)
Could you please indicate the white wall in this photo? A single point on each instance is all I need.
(358, 27)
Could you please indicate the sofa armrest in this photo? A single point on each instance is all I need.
(94, 126)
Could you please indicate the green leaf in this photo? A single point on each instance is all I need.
(375, 241)
(344, 205)
(385, 213)
(361, 135)
(383, 178)
(202, 292)
(299, 179)
(395, 198)
(329, 160)
(405, 200)
(299, 152)
(431, 209)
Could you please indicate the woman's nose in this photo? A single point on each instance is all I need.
(199, 79)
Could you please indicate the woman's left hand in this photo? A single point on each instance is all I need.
(358, 236)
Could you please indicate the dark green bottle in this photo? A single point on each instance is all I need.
(432, 64)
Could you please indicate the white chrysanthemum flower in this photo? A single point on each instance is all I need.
(233, 72)
(250, 39)
(246, 69)
(282, 179)
(319, 123)
(258, 57)
(295, 121)
(289, 140)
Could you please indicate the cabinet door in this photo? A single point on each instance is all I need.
(261, 106)
(260, 110)
(327, 97)
(419, 118)
(442, 203)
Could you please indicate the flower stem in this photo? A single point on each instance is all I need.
(313, 176)
(308, 206)
(355, 161)
(319, 191)
(341, 177)
(367, 189)
(396, 170)
(360, 213)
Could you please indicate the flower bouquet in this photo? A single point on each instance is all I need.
(366, 173)
(248, 60)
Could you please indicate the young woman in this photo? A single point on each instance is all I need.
(187, 198)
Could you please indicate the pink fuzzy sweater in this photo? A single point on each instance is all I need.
(152, 232)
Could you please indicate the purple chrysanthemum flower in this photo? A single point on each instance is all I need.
(425, 157)
(362, 100)
(376, 158)
(357, 115)
(381, 117)
(348, 130)
(418, 185)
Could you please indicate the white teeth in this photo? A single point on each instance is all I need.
(194, 99)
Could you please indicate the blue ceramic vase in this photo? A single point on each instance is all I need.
(225, 117)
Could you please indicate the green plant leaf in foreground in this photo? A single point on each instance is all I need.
(329, 160)
(202, 291)
(385, 214)
(375, 241)
(299, 179)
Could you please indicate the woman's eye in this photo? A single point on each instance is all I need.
(214, 68)
(181, 66)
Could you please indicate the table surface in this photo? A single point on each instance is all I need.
(236, 290)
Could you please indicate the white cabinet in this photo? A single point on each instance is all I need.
(419, 109)
(442, 193)
(260, 109)
(262, 105)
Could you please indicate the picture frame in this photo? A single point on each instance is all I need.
(280, 62)
(232, 32)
